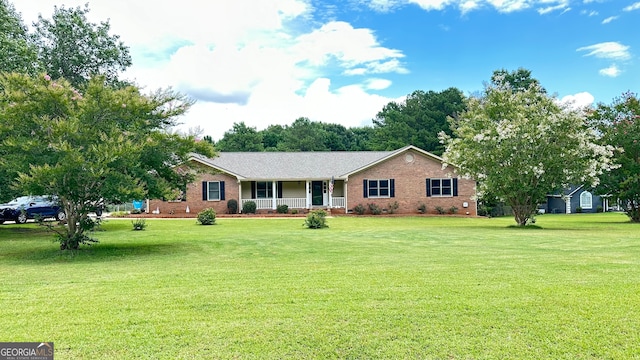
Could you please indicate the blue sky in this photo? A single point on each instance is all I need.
(271, 61)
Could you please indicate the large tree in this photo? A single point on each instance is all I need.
(17, 51)
(304, 135)
(517, 80)
(75, 49)
(241, 138)
(520, 145)
(417, 121)
(84, 147)
(619, 125)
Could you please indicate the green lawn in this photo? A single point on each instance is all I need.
(364, 288)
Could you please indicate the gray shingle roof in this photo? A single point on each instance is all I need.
(293, 165)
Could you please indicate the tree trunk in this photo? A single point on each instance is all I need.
(73, 235)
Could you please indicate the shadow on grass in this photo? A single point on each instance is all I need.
(95, 253)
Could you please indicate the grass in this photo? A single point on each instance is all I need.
(364, 288)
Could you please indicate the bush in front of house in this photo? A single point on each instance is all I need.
(599, 209)
(375, 209)
(232, 206)
(316, 219)
(453, 210)
(282, 209)
(440, 210)
(207, 217)
(422, 208)
(359, 209)
(249, 207)
(578, 209)
(393, 207)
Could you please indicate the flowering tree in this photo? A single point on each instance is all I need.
(520, 145)
(101, 144)
(619, 125)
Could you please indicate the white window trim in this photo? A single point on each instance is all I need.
(583, 204)
(442, 179)
(268, 189)
(209, 192)
(388, 196)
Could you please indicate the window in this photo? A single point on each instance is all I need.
(212, 190)
(442, 187)
(383, 188)
(586, 200)
(264, 190)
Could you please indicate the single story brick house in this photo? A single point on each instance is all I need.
(337, 181)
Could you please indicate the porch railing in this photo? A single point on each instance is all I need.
(338, 202)
(292, 203)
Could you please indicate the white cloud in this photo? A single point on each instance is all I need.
(609, 19)
(607, 50)
(560, 5)
(507, 6)
(611, 71)
(634, 6)
(432, 4)
(578, 101)
(468, 5)
(378, 84)
(339, 40)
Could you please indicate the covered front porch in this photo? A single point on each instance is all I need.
(296, 194)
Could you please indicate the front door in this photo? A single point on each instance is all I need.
(317, 193)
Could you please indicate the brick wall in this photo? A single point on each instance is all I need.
(194, 197)
(410, 174)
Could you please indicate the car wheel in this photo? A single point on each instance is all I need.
(1, 222)
(22, 218)
(61, 216)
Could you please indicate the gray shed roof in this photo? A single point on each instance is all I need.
(293, 165)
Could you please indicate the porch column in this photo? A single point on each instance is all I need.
(330, 194)
(307, 194)
(274, 195)
(239, 196)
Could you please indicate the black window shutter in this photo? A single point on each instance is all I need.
(221, 190)
(205, 191)
(428, 187)
(253, 189)
(392, 187)
(365, 188)
(279, 189)
(455, 187)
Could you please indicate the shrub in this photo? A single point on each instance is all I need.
(294, 211)
(440, 210)
(393, 207)
(232, 206)
(136, 211)
(359, 209)
(282, 209)
(453, 210)
(599, 209)
(374, 209)
(138, 224)
(578, 209)
(207, 217)
(316, 219)
(249, 207)
(422, 209)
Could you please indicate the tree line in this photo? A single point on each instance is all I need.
(417, 121)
